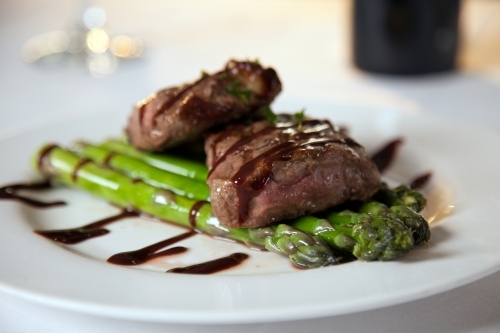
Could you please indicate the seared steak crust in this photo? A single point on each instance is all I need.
(262, 173)
(179, 114)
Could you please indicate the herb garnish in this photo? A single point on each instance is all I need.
(269, 114)
(299, 118)
(236, 90)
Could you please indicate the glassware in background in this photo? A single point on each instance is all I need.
(86, 44)
(405, 36)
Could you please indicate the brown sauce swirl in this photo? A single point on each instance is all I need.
(194, 212)
(344, 257)
(108, 158)
(172, 95)
(292, 136)
(8, 192)
(78, 166)
(237, 145)
(245, 190)
(281, 152)
(385, 156)
(308, 124)
(212, 266)
(80, 234)
(420, 181)
(43, 154)
(150, 252)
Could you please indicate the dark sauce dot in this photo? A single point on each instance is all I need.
(138, 258)
(212, 266)
(194, 211)
(385, 156)
(108, 158)
(245, 189)
(72, 236)
(9, 192)
(345, 257)
(150, 252)
(78, 166)
(420, 181)
(80, 234)
(43, 155)
(294, 137)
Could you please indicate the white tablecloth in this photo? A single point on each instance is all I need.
(308, 43)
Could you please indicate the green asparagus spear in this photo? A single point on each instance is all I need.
(400, 196)
(300, 247)
(67, 168)
(414, 221)
(373, 231)
(177, 165)
(137, 169)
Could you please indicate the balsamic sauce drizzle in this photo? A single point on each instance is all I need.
(283, 152)
(78, 166)
(108, 158)
(266, 130)
(43, 155)
(420, 181)
(237, 145)
(344, 257)
(212, 266)
(9, 193)
(385, 156)
(291, 137)
(194, 211)
(150, 252)
(92, 230)
(77, 235)
(173, 95)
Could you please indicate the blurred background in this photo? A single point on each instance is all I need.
(322, 54)
(310, 43)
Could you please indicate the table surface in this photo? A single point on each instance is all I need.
(308, 42)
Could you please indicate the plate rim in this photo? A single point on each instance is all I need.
(237, 316)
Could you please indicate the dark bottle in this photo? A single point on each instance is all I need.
(405, 36)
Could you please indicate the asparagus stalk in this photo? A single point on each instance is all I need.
(367, 238)
(137, 169)
(165, 162)
(303, 250)
(372, 231)
(404, 203)
(401, 196)
(301, 246)
(414, 221)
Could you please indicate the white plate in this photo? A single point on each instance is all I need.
(464, 244)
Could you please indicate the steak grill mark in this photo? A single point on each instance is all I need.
(293, 136)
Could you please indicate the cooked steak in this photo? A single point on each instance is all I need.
(180, 114)
(262, 173)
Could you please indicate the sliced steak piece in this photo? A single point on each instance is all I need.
(180, 114)
(262, 173)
